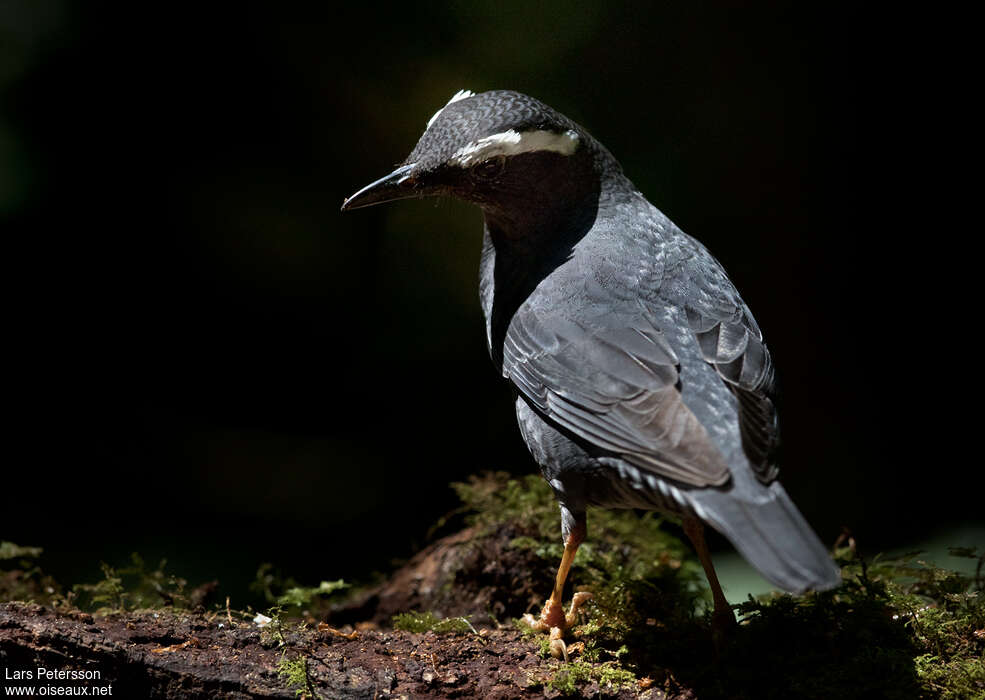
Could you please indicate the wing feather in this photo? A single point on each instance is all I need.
(733, 344)
(615, 385)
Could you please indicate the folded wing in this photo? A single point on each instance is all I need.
(616, 385)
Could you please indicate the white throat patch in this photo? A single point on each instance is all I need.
(460, 95)
(511, 143)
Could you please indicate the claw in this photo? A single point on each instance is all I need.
(554, 621)
(558, 647)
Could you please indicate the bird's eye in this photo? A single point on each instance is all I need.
(490, 168)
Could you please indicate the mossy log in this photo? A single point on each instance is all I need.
(896, 629)
(187, 655)
(194, 653)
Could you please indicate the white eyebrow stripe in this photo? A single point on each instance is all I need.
(511, 143)
(460, 95)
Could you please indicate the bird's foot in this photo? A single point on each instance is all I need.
(555, 622)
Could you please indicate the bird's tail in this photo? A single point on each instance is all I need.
(772, 535)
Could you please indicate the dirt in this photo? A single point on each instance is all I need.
(349, 652)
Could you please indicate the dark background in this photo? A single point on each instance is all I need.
(208, 362)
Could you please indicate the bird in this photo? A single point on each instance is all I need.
(641, 378)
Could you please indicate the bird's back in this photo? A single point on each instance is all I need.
(644, 382)
(617, 318)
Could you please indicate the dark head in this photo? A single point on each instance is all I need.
(507, 152)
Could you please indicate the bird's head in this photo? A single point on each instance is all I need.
(502, 150)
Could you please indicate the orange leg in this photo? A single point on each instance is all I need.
(552, 618)
(722, 617)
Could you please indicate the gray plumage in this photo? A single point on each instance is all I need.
(642, 378)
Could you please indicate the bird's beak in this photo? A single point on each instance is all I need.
(397, 185)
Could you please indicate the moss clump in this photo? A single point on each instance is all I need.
(636, 570)
(296, 676)
(301, 596)
(622, 546)
(609, 676)
(9, 550)
(897, 628)
(944, 611)
(22, 579)
(287, 593)
(492, 499)
(427, 622)
(273, 628)
(132, 587)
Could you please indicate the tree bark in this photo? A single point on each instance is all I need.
(182, 655)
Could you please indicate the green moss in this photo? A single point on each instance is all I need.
(9, 550)
(427, 622)
(272, 633)
(635, 568)
(494, 498)
(300, 596)
(897, 628)
(22, 579)
(608, 675)
(296, 676)
(543, 645)
(107, 594)
(953, 680)
(132, 587)
(945, 612)
(622, 546)
(294, 672)
(284, 591)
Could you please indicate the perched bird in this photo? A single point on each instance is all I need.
(641, 377)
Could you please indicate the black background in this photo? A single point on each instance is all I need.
(208, 362)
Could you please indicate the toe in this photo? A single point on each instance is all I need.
(536, 624)
(577, 601)
(558, 648)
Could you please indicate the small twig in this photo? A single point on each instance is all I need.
(326, 628)
(191, 642)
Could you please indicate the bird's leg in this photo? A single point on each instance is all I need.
(552, 618)
(722, 618)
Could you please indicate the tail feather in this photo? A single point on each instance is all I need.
(772, 535)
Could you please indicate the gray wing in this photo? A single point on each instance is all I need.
(615, 384)
(614, 381)
(734, 346)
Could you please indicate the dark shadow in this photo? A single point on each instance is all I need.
(824, 646)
